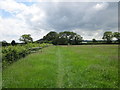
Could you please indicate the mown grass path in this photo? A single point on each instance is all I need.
(85, 66)
(60, 68)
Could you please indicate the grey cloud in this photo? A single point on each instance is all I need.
(69, 16)
(84, 18)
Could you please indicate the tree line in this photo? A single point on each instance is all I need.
(62, 38)
(66, 38)
(108, 36)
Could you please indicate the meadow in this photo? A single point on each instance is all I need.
(75, 66)
(0, 67)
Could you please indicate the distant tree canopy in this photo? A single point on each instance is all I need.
(26, 38)
(67, 38)
(94, 40)
(117, 36)
(63, 38)
(4, 43)
(50, 37)
(70, 38)
(13, 43)
(108, 36)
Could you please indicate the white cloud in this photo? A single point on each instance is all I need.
(40, 18)
(67, 0)
(24, 17)
(12, 29)
(101, 6)
(12, 6)
(88, 35)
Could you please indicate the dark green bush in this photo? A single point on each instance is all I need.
(14, 53)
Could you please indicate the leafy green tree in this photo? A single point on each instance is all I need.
(94, 40)
(117, 36)
(108, 36)
(69, 38)
(4, 43)
(50, 37)
(61, 41)
(78, 39)
(13, 43)
(26, 38)
(63, 38)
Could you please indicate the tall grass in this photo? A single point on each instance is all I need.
(91, 66)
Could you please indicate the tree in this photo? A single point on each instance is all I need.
(4, 43)
(69, 38)
(78, 39)
(108, 36)
(63, 38)
(50, 37)
(26, 38)
(13, 43)
(94, 40)
(60, 41)
(117, 36)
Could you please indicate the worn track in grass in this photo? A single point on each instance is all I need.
(86, 66)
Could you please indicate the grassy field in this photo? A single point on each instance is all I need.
(85, 66)
(0, 67)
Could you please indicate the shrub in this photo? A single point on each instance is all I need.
(14, 53)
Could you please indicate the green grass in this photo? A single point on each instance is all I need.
(0, 67)
(85, 66)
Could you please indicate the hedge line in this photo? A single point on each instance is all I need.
(14, 53)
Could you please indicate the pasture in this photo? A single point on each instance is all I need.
(0, 76)
(83, 66)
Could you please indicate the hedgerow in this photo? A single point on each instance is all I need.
(14, 53)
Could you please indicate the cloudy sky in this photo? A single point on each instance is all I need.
(89, 19)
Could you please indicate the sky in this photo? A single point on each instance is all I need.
(88, 19)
